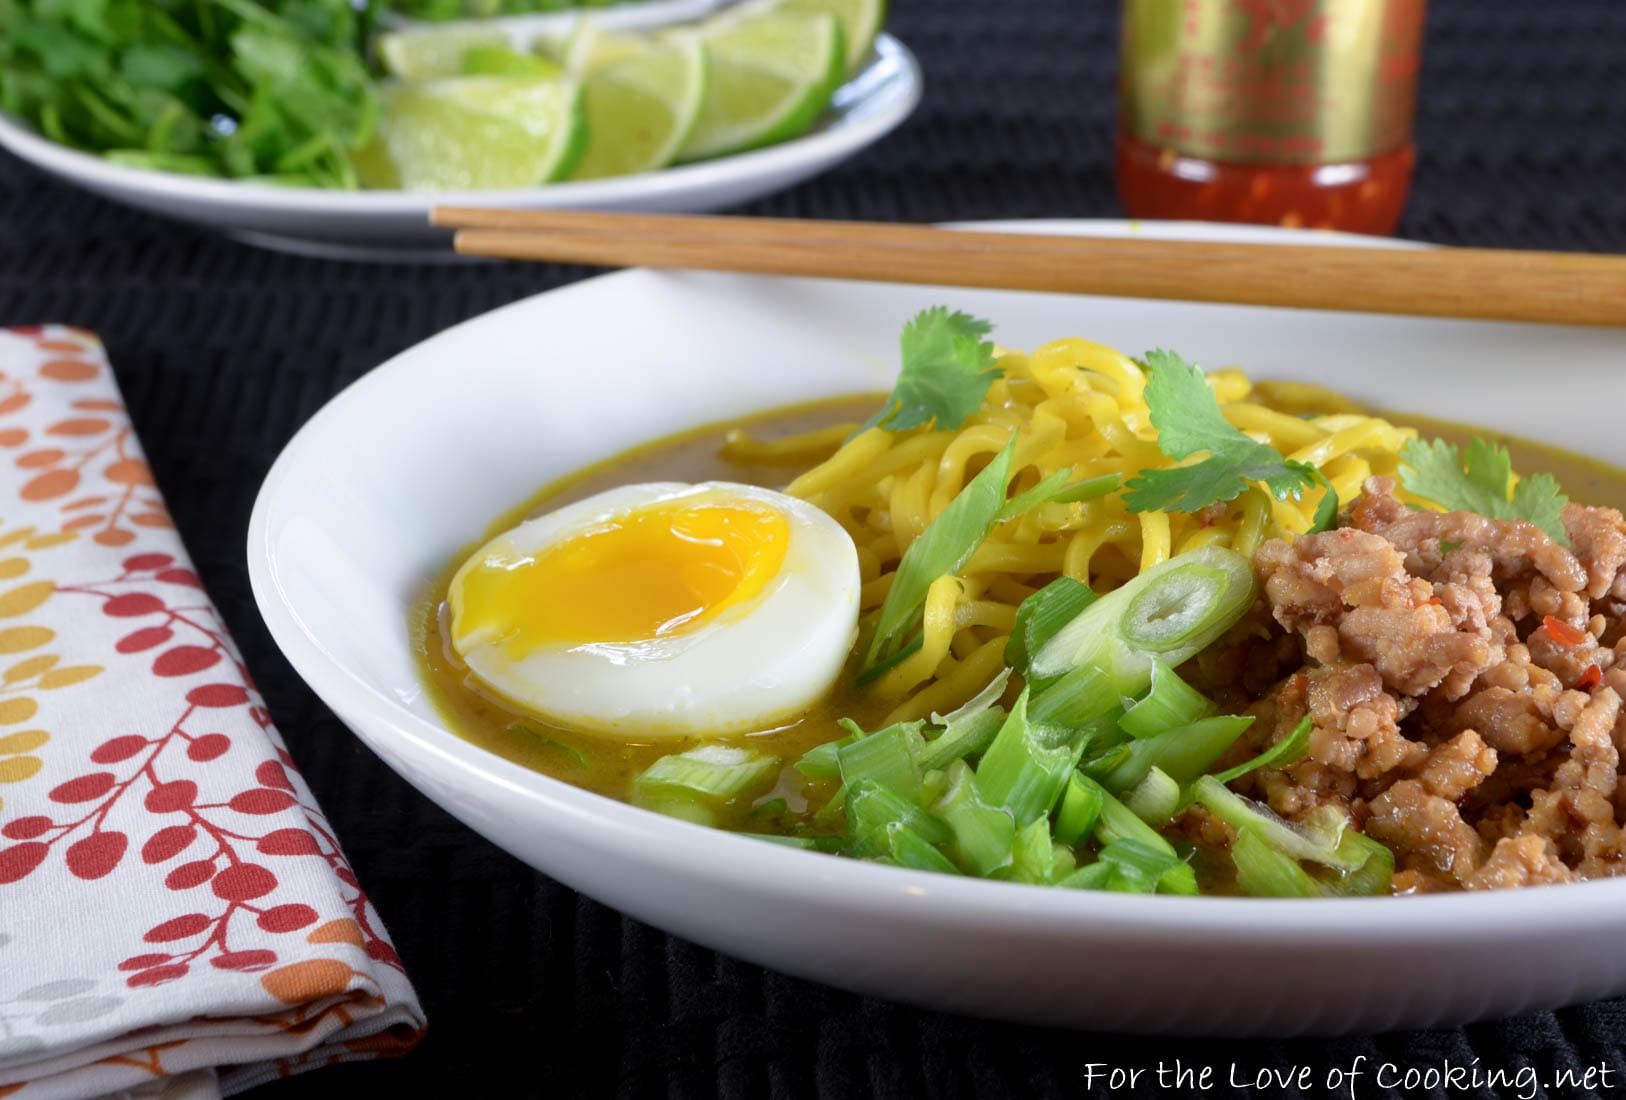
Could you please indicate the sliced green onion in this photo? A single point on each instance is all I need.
(1082, 694)
(1182, 605)
(1104, 758)
(1250, 532)
(1185, 753)
(719, 773)
(1056, 490)
(774, 807)
(1171, 702)
(1032, 854)
(968, 730)
(964, 737)
(946, 544)
(1318, 840)
(886, 664)
(1093, 876)
(1080, 809)
(933, 785)
(1155, 798)
(1264, 872)
(1063, 860)
(545, 740)
(806, 843)
(1044, 491)
(910, 849)
(1376, 871)
(1041, 615)
(1168, 612)
(887, 756)
(1140, 867)
(1119, 823)
(872, 811)
(1284, 752)
(1026, 767)
(1264, 869)
(820, 762)
(982, 701)
(1180, 879)
(983, 834)
(1088, 489)
(685, 807)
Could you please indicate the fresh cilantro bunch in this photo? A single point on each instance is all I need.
(1189, 422)
(1479, 481)
(274, 90)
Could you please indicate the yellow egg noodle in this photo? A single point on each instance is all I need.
(1073, 404)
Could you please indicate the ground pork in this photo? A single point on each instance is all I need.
(1517, 548)
(1598, 540)
(1464, 680)
(1426, 832)
(1520, 861)
(1350, 595)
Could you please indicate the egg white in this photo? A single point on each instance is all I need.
(756, 665)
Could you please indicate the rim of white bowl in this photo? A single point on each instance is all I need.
(895, 65)
(527, 26)
(923, 896)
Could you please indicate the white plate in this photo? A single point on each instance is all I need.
(374, 495)
(395, 224)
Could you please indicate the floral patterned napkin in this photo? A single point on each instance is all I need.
(175, 913)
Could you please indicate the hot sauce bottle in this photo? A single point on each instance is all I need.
(1284, 112)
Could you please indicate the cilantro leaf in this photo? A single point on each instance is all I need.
(1188, 420)
(1326, 513)
(1477, 481)
(947, 369)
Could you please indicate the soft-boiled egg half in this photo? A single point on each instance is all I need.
(662, 610)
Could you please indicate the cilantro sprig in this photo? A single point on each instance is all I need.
(947, 369)
(1189, 422)
(1478, 481)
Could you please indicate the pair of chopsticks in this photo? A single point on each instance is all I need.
(1485, 284)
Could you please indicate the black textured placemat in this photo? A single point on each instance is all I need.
(223, 352)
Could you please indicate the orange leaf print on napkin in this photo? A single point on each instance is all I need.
(144, 788)
(81, 456)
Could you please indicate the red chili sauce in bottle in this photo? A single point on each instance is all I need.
(1282, 112)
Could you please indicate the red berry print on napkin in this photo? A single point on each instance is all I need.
(223, 877)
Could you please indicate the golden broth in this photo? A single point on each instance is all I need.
(608, 765)
(598, 763)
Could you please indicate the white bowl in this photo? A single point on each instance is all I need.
(523, 30)
(372, 497)
(393, 225)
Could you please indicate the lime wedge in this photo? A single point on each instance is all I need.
(771, 76)
(503, 61)
(861, 21)
(424, 55)
(554, 45)
(592, 49)
(475, 133)
(640, 111)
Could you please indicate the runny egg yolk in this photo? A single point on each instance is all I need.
(653, 572)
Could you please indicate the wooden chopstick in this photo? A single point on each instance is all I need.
(1484, 284)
